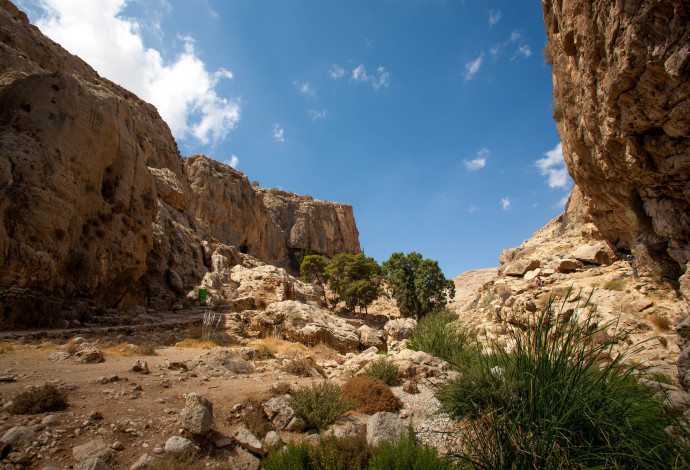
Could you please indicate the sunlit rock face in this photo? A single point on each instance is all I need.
(97, 203)
(621, 75)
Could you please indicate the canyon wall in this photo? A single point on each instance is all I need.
(96, 201)
(621, 75)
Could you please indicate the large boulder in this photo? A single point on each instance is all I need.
(310, 325)
(222, 360)
(369, 337)
(384, 426)
(520, 267)
(600, 254)
(400, 328)
(18, 436)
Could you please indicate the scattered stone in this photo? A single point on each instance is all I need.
(278, 410)
(158, 450)
(95, 415)
(93, 464)
(18, 457)
(118, 445)
(89, 355)
(95, 449)
(143, 462)
(272, 440)
(223, 359)
(178, 444)
(140, 367)
(51, 420)
(223, 442)
(197, 415)
(384, 426)
(8, 378)
(243, 460)
(59, 356)
(18, 437)
(247, 440)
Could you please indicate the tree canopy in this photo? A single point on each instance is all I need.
(313, 269)
(417, 284)
(354, 279)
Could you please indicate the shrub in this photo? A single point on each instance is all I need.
(39, 400)
(302, 367)
(616, 284)
(320, 404)
(663, 378)
(383, 369)
(406, 454)
(371, 395)
(331, 453)
(255, 418)
(551, 403)
(437, 335)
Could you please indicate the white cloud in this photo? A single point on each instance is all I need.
(473, 209)
(278, 133)
(494, 17)
(317, 114)
(505, 203)
(517, 41)
(233, 161)
(380, 80)
(336, 72)
(563, 201)
(472, 67)
(553, 166)
(305, 88)
(523, 50)
(479, 162)
(182, 89)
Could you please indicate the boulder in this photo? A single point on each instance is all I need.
(143, 462)
(88, 355)
(95, 449)
(93, 464)
(18, 437)
(311, 325)
(568, 265)
(400, 328)
(223, 359)
(369, 337)
(179, 444)
(272, 440)
(520, 267)
(197, 415)
(600, 254)
(278, 410)
(242, 460)
(384, 426)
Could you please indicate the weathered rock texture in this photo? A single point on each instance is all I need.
(96, 201)
(621, 74)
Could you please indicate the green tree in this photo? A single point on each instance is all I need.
(313, 269)
(354, 279)
(418, 285)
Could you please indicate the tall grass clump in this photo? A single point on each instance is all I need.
(559, 400)
(438, 335)
(331, 453)
(384, 370)
(320, 404)
(405, 454)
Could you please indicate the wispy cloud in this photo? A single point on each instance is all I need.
(305, 88)
(494, 17)
(553, 166)
(479, 162)
(472, 67)
(234, 161)
(516, 42)
(505, 203)
(336, 72)
(317, 114)
(473, 209)
(182, 89)
(380, 80)
(278, 133)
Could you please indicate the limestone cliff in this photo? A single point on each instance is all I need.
(96, 201)
(621, 75)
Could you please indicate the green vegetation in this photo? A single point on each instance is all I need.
(313, 269)
(418, 285)
(559, 400)
(383, 369)
(663, 378)
(354, 279)
(319, 405)
(440, 336)
(353, 453)
(47, 397)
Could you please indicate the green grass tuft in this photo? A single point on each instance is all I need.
(439, 335)
(384, 370)
(320, 404)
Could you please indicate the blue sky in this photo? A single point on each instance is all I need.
(431, 118)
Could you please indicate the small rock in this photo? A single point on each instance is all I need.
(246, 439)
(89, 355)
(93, 464)
(384, 426)
(177, 444)
(18, 457)
(18, 436)
(96, 449)
(118, 445)
(141, 367)
(223, 442)
(95, 415)
(272, 440)
(50, 420)
(410, 387)
(158, 450)
(197, 415)
(143, 462)
(243, 460)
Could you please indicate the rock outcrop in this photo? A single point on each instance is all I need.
(97, 203)
(621, 75)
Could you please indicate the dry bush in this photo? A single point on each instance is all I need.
(660, 321)
(281, 388)
(186, 461)
(371, 395)
(71, 347)
(302, 367)
(128, 350)
(277, 345)
(197, 344)
(254, 417)
(324, 351)
(39, 400)
(616, 284)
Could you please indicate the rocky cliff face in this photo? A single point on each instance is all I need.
(621, 74)
(96, 201)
